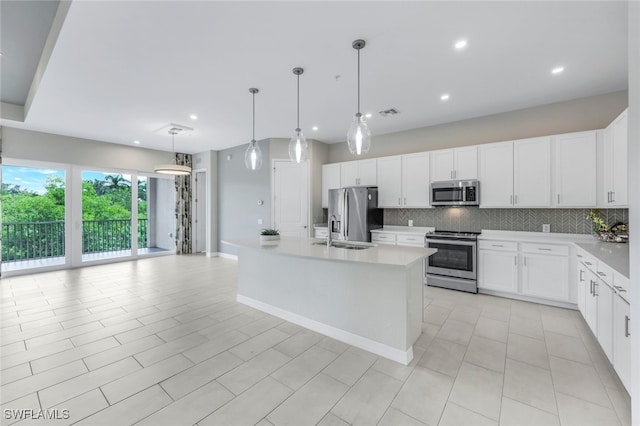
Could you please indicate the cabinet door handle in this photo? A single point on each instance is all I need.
(581, 272)
(525, 261)
(608, 196)
(497, 245)
(602, 274)
(516, 199)
(613, 196)
(545, 249)
(558, 198)
(511, 199)
(588, 263)
(619, 289)
(591, 287)
(595, 289)
(626, 326)
(399, 203)
(515, 260)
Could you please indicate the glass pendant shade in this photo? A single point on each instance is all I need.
(298, 147)
(359, 136)
(253, 156)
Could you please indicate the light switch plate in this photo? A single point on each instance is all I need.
(546, 227)
(259, 221)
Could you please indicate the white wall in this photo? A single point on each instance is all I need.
(634, 202)
(591, 113)
(38, 146)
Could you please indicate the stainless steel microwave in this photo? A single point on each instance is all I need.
(455, 193)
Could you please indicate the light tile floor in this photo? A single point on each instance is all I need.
(161, 341)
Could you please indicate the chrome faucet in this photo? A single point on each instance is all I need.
(332, 220)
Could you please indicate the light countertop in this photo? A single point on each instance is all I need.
(407, 230)
(305, 247)
(615, 255)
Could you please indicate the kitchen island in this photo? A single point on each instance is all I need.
(370, 298)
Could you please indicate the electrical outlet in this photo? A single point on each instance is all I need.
(410, 222)
(259, 221)
(546, 227)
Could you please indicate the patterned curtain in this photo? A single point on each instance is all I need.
(183, 207)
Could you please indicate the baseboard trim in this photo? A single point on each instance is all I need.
(524, 298)
(223, 255)
(403, 357)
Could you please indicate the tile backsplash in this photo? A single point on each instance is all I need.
(572, 221)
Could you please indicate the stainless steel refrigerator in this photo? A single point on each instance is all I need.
(353, 213)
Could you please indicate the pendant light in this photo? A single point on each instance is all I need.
(298, 146)
(253, 154)
(359, 136)
(173, 169)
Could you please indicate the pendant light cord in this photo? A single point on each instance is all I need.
(254, 117)
(358, 81)
(298, 127)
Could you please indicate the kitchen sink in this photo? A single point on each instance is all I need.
(349, 245)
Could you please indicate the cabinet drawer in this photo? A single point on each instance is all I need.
(589, 262)
(498, 245)
(321, 233)
(410, 240)
(383, 238)
(621, 284)
(546, 249)
(605, 272)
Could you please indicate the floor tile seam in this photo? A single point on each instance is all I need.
(599, 379)
(557, 414)
(41, 357)
(473, 411)
(612, 408)
(615, 410)
(20, 378)
(528, 336)
(408, 415)
(130, 355)
(75, 377)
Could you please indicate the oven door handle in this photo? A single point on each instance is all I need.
(454, 242)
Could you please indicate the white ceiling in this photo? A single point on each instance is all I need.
(121, 70)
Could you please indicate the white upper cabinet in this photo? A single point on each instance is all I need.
(615, 162)
(532, 173)
(403, 180)
(454, 164)
(358, 173)
(415, 180)
(390, 181)
(575, 179)
(496, 174)
(330, 180)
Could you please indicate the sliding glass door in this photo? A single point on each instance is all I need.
(33, 217)
(156, 215)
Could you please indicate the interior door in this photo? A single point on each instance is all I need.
(290, 198)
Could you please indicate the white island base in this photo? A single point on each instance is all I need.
(350, 295)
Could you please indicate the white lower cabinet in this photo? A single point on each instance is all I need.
(533, 270)
(607, 312)
(498, 270)
(581, 283)
(545, 276)
(622, 340)
(604, 294)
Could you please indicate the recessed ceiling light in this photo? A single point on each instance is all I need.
(368, 115)
(193, 117)
(314, 128)
(444, 97)
(136, 142)
(557, 70)
(460, 44)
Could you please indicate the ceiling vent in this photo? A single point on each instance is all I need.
(173, 128)
(389, 112)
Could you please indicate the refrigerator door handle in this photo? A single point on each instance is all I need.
(345, 220)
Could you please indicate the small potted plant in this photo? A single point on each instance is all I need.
(269, 235)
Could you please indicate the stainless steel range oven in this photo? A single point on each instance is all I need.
(454, 266)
